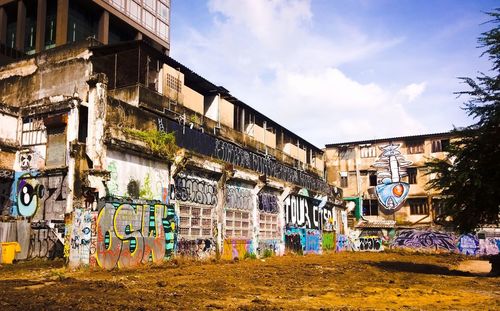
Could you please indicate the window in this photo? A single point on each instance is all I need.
(367, 151)
(370, 207)
(373, 179)
(440, 145)
(149, 20)
(162, 30)
(150, 3)
(412, 175)
(415, 147)
(163, 11)
(343, 180)
(134, 10)
(238, 224)
(195, 221)
(173, 83)
(418, 206)
(268, 226)
(119, 4)
(33, 132)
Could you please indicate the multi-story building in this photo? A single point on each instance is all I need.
(86, 163)
(350, 165)
(32, 26)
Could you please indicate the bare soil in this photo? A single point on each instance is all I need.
(336, 281)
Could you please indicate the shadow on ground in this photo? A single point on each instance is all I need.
(402, 266)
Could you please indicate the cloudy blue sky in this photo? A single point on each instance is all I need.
(338, 70)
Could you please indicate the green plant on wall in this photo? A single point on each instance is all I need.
(158, 141)
(194, 119)
(145, 192)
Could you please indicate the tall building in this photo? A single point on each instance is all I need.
(355, 167)
(31, 26)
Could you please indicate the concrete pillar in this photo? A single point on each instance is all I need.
(62, 22)
(256, 216)
(97, 102)
(41, 16)
(103, 30)
(227, 173)
(281, 217)
(3, 26)
(20, 25)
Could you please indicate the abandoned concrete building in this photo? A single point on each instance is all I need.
(350, 165)
(113, 155)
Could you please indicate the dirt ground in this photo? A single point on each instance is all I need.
(343, 281)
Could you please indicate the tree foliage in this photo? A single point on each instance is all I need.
(469, 179)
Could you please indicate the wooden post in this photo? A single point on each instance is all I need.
(103, 30)
(20, 25)
(3, 26)
(62, 22)
(41, 16)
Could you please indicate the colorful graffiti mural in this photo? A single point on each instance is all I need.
(197, 248)
(488, 246)
(130, 233)
(236, 248)
(301, 240)
(305, 212)
(468, 244)
(269, 246)
(80, 235)
(425, 240)
(41, 197)
(391, 167)
(341, 243)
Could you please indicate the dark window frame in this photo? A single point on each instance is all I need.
(418, 206)
(344, 181)
(412, 175)
(370, 208)
(415, 146)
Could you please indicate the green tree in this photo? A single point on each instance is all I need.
(469, 178)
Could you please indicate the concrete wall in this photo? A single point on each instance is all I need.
(9, 128)
(136, 177)
(193, 100)
(264, 136)
(295, 152)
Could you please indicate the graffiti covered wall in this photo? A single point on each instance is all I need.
(306, 212)
(425, 240)
(41, 197)
(136, 177)
(391, 167)
(236, 248)
(303, 241)
(129, 234)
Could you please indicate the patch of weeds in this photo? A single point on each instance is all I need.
(267, 253)
(250, 256)
(158, 141)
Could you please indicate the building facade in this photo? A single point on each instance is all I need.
(114, 155)
(32, 26)
(352, 166)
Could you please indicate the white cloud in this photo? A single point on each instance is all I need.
(413, 90)
(268, 54)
